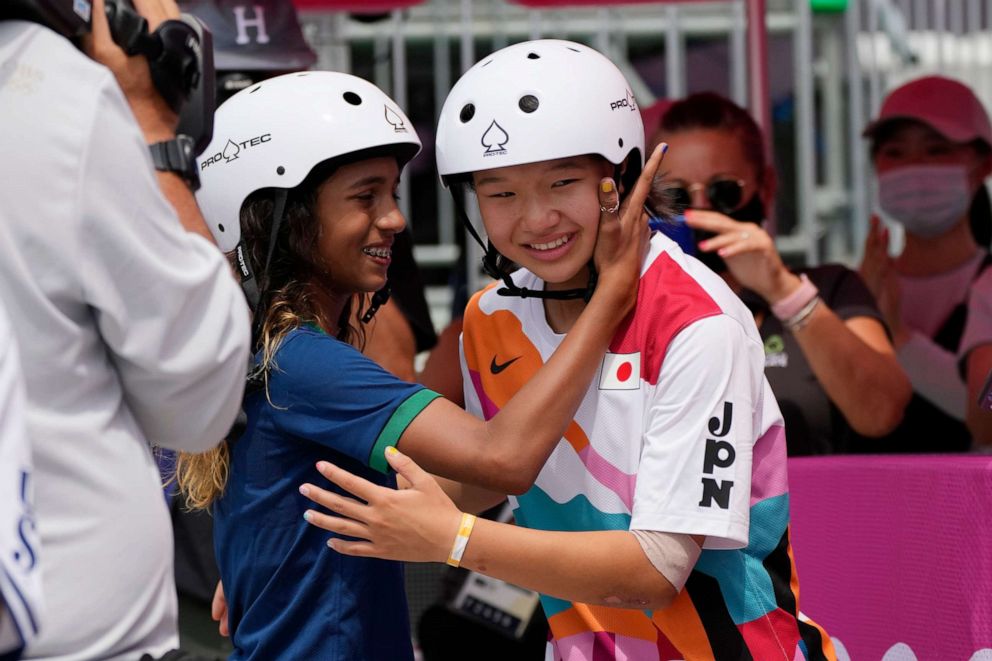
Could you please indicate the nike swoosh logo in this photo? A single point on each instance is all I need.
(496, 368)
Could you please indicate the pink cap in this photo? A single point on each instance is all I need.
(945, 105)
(651, 116)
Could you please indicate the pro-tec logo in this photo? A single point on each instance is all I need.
(232, 149)
(621, 371)
(243, 263)
(393, 119)
(718, 455)
(626, 102)
(494, 140)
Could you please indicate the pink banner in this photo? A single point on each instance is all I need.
(894, 554)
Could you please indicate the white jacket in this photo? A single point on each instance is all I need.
(132, 333)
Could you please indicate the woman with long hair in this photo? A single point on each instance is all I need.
(301, 181)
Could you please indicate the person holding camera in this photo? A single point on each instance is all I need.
(131, 328)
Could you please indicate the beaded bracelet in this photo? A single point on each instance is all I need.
(801, 318)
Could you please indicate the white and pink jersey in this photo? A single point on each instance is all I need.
(679, 432)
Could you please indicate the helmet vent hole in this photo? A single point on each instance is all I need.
(467, 113)
(280, 170)
(257, 87)
(220, 226)
(352, 98)
(528, 103)
(620, 142)
(533, 56)
(487, 63)
(574, 50)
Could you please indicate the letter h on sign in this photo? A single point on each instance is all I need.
(243, 23)
(719, 454)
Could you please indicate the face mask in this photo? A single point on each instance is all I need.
(752, 212)
(927, 200)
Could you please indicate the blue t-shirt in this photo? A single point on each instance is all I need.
(288, 595)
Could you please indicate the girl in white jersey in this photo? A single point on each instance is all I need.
(658, 528)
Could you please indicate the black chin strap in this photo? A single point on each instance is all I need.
(490, 264)
(250, 285)
(378, 300)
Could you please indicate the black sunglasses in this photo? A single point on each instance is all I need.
(724, 195)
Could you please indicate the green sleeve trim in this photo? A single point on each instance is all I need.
(397, 424)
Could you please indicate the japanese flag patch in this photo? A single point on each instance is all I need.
(621, 371)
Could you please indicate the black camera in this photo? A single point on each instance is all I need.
(179, 52)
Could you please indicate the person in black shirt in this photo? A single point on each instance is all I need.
(828, 356)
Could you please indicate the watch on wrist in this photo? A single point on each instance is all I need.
(177, 155)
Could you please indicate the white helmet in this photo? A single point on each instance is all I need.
(274, 133)
(537, 101)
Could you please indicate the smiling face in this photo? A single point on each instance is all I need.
(358, 216)
(545, 216)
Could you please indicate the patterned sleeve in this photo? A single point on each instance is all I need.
(695, 471)
(329, 393)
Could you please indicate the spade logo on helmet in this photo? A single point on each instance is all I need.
(394, 119)
(494, 140)
(626, 102)
(232, 149)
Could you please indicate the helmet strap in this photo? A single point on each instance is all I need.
(251, 284)
(378, 300)
(492, 267)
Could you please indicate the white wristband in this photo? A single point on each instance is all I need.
(461, 540)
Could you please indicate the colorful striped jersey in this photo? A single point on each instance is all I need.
(679, 432)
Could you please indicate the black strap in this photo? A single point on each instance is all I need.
(378, 300)
(250, 285)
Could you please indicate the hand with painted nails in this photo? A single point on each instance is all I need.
(623, 231)
(749, 252)
(416, 524)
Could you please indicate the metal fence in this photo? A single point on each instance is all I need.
(827, 75)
